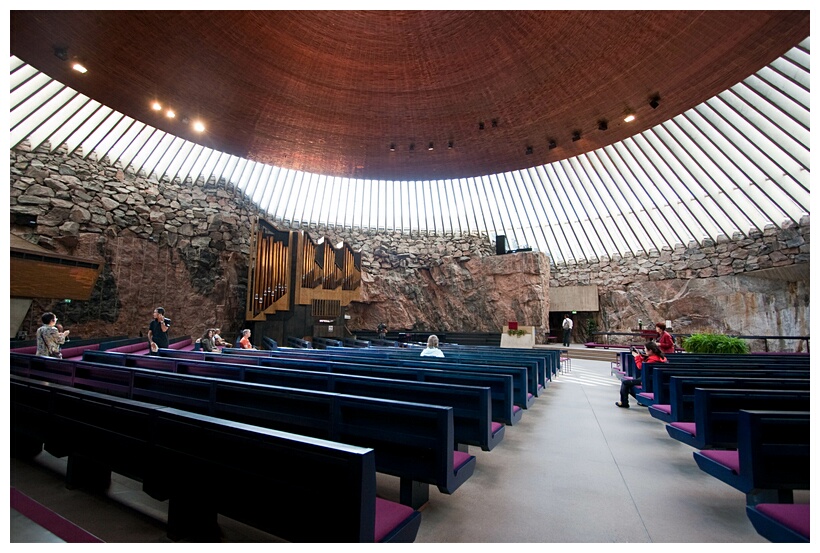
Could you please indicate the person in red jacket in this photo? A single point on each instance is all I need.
(665, 341)
(652, 354)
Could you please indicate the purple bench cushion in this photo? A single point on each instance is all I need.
(495, 427)
(688, 427)
(132, 348)
(77, 351)
(727, 458)
(791, 515)
(665, 409)
(182, 344)
(28, 349)
(459, 458)
(389, 516)
(647, 395)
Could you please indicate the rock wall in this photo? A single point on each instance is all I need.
(184, 245)
(180, 245)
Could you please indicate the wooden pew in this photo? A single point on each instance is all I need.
(311, 490)
(504, 408)
(649, 395)
(472, 421)
(413, 441)
(681, 407)
(781, 522)
(717, 411)
(771, 460)
(662, 375)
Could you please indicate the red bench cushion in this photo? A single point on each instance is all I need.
(793, 516)
(389, 515)
(727, 458)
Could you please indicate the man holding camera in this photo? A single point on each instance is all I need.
(158, 330)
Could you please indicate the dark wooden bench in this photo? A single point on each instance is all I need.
(299, 489)
(681, 407)
(649, 395)
(523, 385)
(472, 420)
(413, 441)
(716, 413)
(771, 459)
(781, 522)
(662, 375)
(504, 409)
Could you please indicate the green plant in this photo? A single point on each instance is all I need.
(517, 332)
(714, 343)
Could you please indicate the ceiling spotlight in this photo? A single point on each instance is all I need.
(654, 102)
(170, 114)
(629, 117)
(551, 144)
(198, 126)
(450, 145)
(61, 53)
(576, 135)
(79, 68)
(392, 147)
(481, 125)
(430, 147)
(602, 126)
(156, 106)
(529, 150)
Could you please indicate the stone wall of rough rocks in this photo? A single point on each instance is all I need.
(180, 245)
(185, 246)
(711, 287)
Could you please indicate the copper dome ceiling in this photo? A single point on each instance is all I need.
(329, 92)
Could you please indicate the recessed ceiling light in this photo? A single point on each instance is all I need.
(170, 114)
(156, 106)
(78, 67)
(198, 126)
(629, 117)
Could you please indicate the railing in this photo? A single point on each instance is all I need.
(638, 338)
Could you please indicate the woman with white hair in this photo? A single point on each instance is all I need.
(432, 348)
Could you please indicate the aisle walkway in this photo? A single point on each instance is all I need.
(575, 469)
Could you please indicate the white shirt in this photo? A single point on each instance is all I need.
(568, 324)
(432, 352)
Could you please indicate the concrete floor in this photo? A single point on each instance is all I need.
(576, 469)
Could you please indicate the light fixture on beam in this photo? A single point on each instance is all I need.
(576, 136)
(629, 116)
(655, 101)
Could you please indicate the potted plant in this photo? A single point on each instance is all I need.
(714, 343)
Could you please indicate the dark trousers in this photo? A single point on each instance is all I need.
(627, 389)
(567, 332)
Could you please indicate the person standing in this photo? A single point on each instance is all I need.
(665, 341)
(567, 326)
(158, 330)
(49, 337)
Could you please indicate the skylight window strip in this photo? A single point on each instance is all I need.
(270, 190)
(36, 107)
(553, 244)
(305, 191)
(629, 154)
(714, 144)
(167, 155)
(574, 203)
(75, 140)
(713, 187)
(295, 185)
(796, 75)
(563, 221)
(329, 191)
(20, 73)
(118, 134)
(52, 123)
(666, 182)
(750, 161)
(180, 174)
(477, 200)
(262, 179)
(230, 183)
(488, 204)
(797, 57)
(757, 134)
(381, 204)
(32, 93)
(452, 211)
(791, 91)
(146, 134)
(513, 198)
(206, 171)
(464, 209)
(524, 183)
(92, 127)
(194, 172)
(604, 157)
(766, 108)
(676, 160)
(105, 128)
(579, 172)
(504, 199)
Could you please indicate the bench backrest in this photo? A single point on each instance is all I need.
(773, 449)
(662, 376)
(319, 490)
